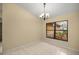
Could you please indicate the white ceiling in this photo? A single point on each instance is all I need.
(54, 9)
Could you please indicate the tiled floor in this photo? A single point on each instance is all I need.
(41, 48)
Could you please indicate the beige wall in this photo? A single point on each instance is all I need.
(19, 27)
(0, 14)
(0, 9)
(73, 31)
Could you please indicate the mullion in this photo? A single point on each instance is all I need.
(54, 30)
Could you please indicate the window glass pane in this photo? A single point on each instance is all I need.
(50, 26)
(61, 25)
(61, 35)
(50, 34)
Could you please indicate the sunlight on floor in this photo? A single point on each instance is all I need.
(61, 53)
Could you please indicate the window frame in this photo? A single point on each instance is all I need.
(57, 30)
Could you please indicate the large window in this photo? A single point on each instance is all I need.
(57, 30)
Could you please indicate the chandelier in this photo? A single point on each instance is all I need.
(44, 15)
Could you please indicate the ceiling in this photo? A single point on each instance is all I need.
(54, 9)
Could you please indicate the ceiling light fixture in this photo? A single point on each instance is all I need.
(44, 15)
